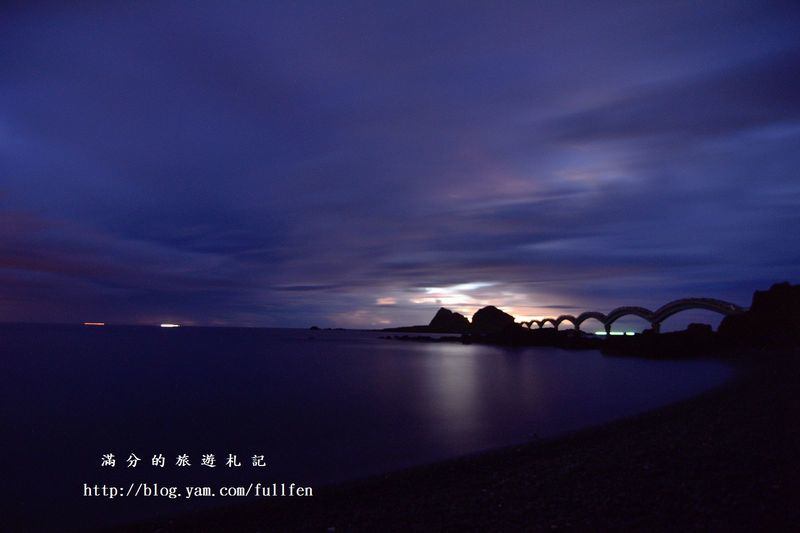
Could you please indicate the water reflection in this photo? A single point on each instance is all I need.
(323, 406)
(453, 391)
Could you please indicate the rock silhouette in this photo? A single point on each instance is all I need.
(773, 319)
(486, 321)
(446, 321)
(490, 319)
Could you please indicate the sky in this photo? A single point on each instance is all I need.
(360, 164)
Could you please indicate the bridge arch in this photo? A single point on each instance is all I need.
(566, 318)
(530, 324)
(685, 304)
(548, 320)
(590, 317)
(654, 318)
(583, 317)
(619, 312)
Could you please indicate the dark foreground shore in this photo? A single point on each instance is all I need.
(726, 460)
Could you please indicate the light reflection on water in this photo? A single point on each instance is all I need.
(453, 392)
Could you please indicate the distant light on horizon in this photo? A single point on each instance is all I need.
(170, 325)
(94, 323)
(616, 333)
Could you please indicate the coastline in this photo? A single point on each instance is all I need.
(723, 460)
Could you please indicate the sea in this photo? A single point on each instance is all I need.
(150, 412)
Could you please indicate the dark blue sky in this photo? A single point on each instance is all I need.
(352, 164)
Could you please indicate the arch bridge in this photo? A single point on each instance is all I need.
(655, 318)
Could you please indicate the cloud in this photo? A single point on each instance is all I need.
(278, 165)
(746, 96)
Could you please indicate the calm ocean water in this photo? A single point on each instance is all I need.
(320, 406)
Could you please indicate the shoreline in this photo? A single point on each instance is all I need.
(724, 459)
